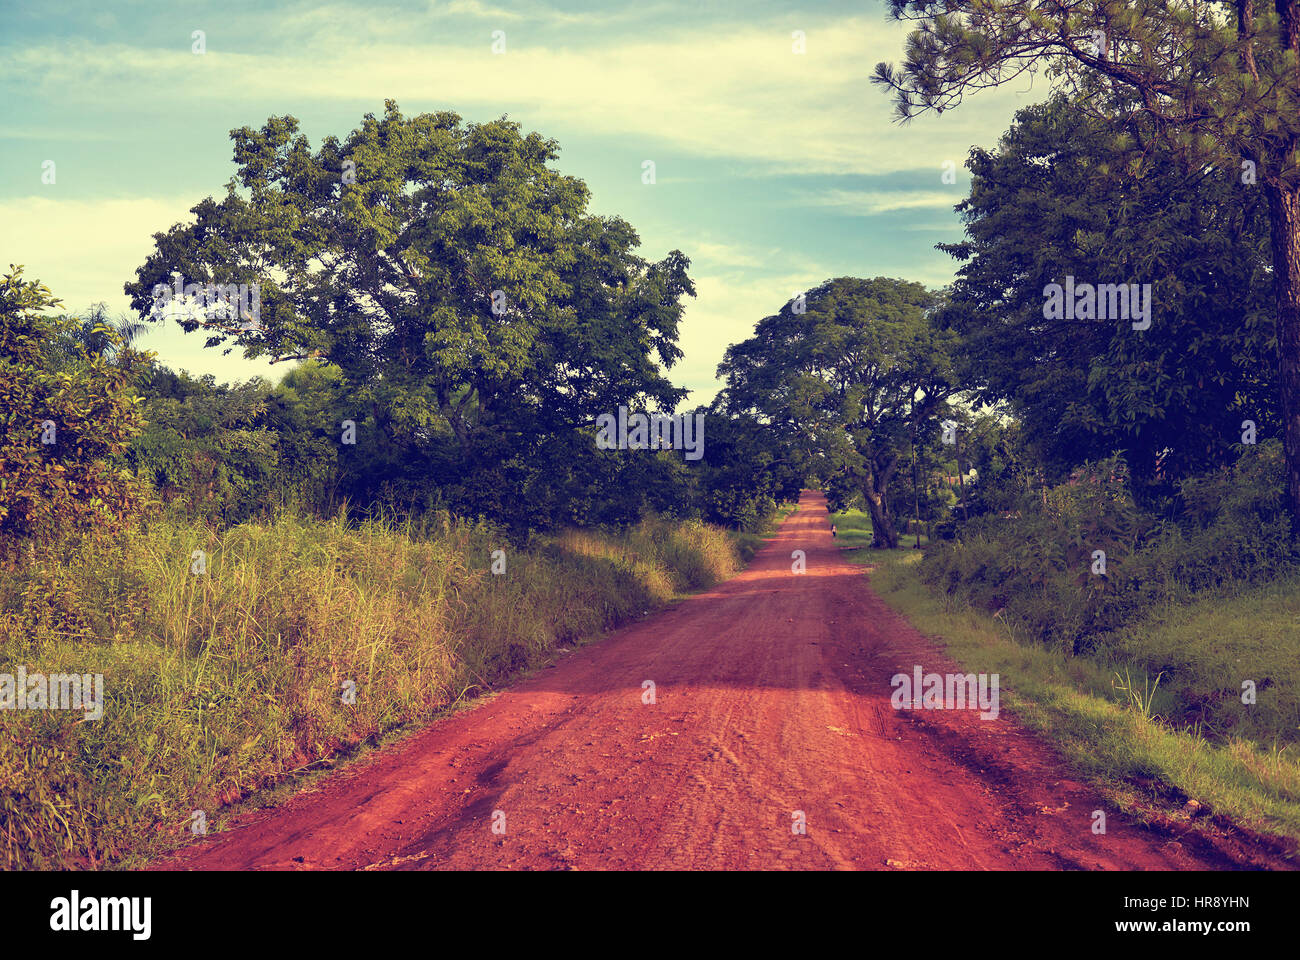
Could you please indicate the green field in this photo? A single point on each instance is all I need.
(853, 529)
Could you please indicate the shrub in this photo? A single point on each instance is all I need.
(1036, 567)
(66, 418)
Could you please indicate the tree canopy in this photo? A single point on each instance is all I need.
(1066, 194)
(848, 373)
(67, 414)
(473, 307)
(1219, 82)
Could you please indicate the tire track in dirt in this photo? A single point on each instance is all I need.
(772, 697)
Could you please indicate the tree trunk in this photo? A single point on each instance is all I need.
(961, 480)
(1284, 217)
(916, 490)
(884, 535)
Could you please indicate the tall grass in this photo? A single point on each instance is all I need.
(221, 682)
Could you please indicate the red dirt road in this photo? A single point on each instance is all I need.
(772, 696)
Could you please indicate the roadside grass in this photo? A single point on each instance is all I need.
(302, 642)
(1100, 713)
(1206, 650)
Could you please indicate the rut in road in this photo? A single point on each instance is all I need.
(772, 697)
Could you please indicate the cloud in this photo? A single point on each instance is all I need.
(727, 254)
(474, 8)
(870, 203)
(725, 310)
(538, 12)
(693, 84)
(87, 247)
(734, 91)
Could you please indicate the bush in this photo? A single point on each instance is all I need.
(1035, 568)
(66, 418)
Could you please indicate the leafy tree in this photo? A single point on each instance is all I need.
(997, 463)
(1219, 81)
(64, 426)
(95, 333)
(1064, 195)
(471, 305)
(850, 377)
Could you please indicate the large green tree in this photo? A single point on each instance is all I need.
(847, 374)
(1067, 194)
(747, 468)
(450, 274)
(1219, 81)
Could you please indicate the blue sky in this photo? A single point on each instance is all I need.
(774, 170)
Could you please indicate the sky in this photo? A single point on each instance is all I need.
(774, 169)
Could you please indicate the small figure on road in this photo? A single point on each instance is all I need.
(832, 530)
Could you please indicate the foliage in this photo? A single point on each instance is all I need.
(1066, 195)
(849, 374)
(208, 445)
(1216, 83)
(66, 418)
(745, 472)
(1037, 568)
(478, 316)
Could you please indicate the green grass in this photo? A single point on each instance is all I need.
(1094, 710)
(1205, 649)
(221, 684)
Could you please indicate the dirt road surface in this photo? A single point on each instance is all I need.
(772, 697)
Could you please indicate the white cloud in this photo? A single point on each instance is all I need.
(539, 12)
(717, 91)
(869, 203)
(725, 311)
(727, 254)
(653, 87)
(474, 8)
(727, 308)
(84, 250)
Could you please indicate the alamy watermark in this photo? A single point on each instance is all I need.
(952, 691)
(218, 301)
(641, 431)
(1103, 301)
(57, 691)
(75, 913)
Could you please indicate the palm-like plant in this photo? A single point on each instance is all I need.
(94, 334)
